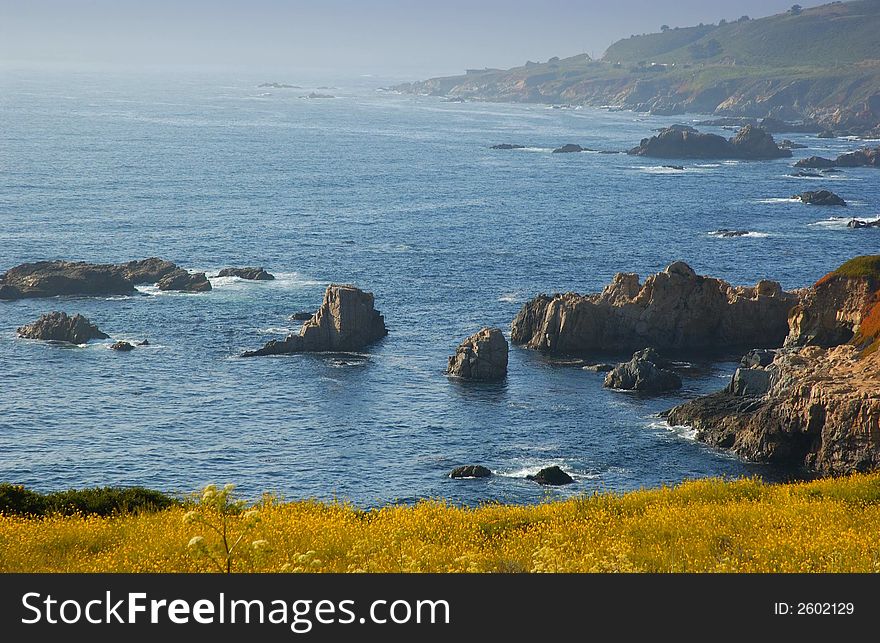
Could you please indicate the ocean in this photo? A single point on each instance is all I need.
(402, 196)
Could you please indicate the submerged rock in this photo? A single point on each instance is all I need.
(59, 327)
(482, 356)
(183, 281)
(791, 145)
(470, 471)
(346, 321)
(568, 148)
(123, 347)
(507, 146)
(301, 316)
(676, 311)
(646, 372)
(728, 234)
(820, 197)
(252, 274)
(858, 223)
(750, 142)
(552, 476)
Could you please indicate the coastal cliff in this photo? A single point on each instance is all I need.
(820, 405)
(820, 65)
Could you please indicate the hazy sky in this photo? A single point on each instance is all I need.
(416, 37)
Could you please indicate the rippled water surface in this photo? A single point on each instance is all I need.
(402, 196)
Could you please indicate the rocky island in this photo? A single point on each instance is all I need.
(750, 143)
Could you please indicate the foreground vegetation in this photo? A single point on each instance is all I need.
(699, 526)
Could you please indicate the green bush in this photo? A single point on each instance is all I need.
(100, 501)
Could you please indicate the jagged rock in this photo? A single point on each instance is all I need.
(470, 471)
(183, 281)
(758, 357)
(507, 146)
(123, 347)
(646, 372)
(860, 158)
(817, 405)
(59, 327)
(552, 476)
(346, 321)
(676, 311)
(820, 197)
(749, 382)
(750, 142)
(252, 274)
(858, 223)
(815, 162)
(568, 148)
(55, 278)
(482, 356)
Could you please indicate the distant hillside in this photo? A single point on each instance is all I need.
(821, 64)
(835, 33)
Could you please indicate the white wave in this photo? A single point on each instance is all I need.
(718, 234)
(681, 430)
(730, 162)
(708, 165)
(274, 330)
(511, 297)
(777, 200)
(535, 149)
(842, 222)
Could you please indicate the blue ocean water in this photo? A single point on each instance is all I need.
(402, 196)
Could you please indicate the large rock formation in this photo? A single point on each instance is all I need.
(59, 327)
(551, 476)
(675, 311)
(820, 197)
(183, 281)
(817, 404)
(865, 157)
(252, 274)
(751, 142)
(646, 372)
(54, 278)
(346, 321)
(482, 356)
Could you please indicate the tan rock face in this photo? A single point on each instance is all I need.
(346, 321)
(831, 311)
(482, 356)
(674, 311)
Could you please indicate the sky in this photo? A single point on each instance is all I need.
(384, 37)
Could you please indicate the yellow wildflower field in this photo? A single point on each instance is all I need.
(710, 525)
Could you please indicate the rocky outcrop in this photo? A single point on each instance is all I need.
(820, 197)
(817, 403)
(57, 278)
(122, 347)
(551, 476)
(750, 142)
(646, 372)
(302, 315)
(676, 311)
(859, 224)
(758, 357)
(482, 356)
(182, 281)
(251, 274)
(59, 327)
(568, 148)
(866, 157)
(346, 321)
(815, 162)
(471, 471)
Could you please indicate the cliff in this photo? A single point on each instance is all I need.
(821, 64)
(820, 405)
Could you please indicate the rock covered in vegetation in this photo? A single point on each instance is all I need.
(59, 327)
(676, 311)
(470, 471)
(482, 356)
(820, 197)
(551, 476)
(646, 372)
(346, 321)
(751, 142)
(55, 278)
(817, 404)
(251, 274)
(182, 281)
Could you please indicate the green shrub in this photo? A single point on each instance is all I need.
(100, 501)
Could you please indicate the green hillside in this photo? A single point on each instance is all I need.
(838, 33)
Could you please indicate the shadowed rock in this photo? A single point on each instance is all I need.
(122, 347)
(251, 274)
(646, 372)
(820, 197)
(507, 146)
(346, 321)
(59, 327)
(471, 471)
(183, 281)
(751, 142)
(551, 476)
(482, 356)
(569, 148)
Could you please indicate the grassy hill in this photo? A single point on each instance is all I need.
(831, 34)
(821, 64)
